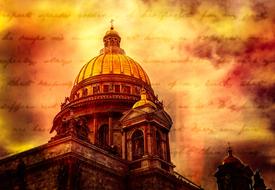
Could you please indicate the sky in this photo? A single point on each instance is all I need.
(212, 62)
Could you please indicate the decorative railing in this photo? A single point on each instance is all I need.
(102, 96)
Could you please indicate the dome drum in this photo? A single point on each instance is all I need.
(95, 105)
(109, 84)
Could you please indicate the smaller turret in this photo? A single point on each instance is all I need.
(233, 174)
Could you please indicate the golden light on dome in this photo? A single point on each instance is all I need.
(112, 60)
(112, 64)
(143, 100)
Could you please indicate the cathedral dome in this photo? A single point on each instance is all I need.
(111, 72)
(231, 159)
(109, 83)
(112, 60)
(112, 63)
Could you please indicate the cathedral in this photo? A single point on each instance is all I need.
(112, 133)
(233, 174)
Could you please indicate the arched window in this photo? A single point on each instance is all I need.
(85, 92)
(158, 142)
(103, 135)
(137, 144)
(96, 89)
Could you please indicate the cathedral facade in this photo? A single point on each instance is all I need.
(112, 133)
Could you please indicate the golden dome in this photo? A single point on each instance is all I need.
(112, 60)
(144, 101)
(112, 64)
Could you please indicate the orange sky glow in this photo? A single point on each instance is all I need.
(211, 63)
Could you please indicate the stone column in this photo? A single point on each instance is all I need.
(168, 148)
(91, 131)
(95, 129)
(150, 139)
(146, 139)
(123, 145)
(110, 121)
(129, 154)
(163, 147)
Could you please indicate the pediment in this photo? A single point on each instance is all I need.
(133, 113)
(161, 114)
(157, 114)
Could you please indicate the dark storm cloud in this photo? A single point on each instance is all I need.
(255, 154)
(260, 10)
(264, 97)
(253, 50)
(254, 45)
(217, 50)
(259, 56)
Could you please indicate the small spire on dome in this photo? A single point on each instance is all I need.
(230, 151)
(112, 24)
(111, 42)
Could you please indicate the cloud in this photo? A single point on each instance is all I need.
(211, 61)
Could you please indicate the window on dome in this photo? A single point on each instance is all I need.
(137, 145)
(105, 88)
(126, 89)
(96, 89)
(117, 88)
(85, 92)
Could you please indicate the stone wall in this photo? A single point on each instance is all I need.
(156, 179)
(64, 164)
(99, 179)
(71, 164)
